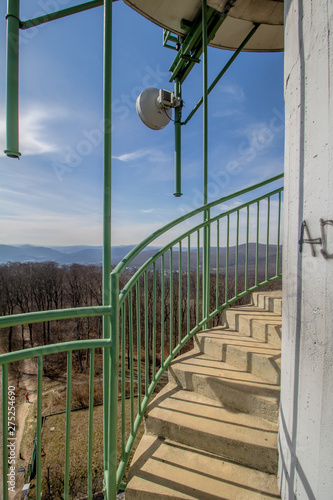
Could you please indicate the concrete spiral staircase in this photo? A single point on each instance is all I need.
(211, 433)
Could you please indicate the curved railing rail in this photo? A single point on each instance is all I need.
(182, 288)
(186, 285)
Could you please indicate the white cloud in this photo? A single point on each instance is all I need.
(34, 129)
(152, 155)
(235, 92)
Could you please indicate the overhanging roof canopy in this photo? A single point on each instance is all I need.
(268, 13)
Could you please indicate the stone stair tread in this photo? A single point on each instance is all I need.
(257, 313)
(193, 414)
(207, 366)
(168, 470)
(225, 335)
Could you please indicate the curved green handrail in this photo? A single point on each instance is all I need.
(141, 246)
(133, 283)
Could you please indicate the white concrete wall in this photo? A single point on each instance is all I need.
(306, 416)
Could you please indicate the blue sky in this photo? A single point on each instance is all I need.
(53, 194)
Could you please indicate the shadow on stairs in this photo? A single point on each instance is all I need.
(212, 432)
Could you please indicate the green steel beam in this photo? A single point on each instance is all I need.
(222, 72)
(12, 79)
(31, 23)
(191, 49)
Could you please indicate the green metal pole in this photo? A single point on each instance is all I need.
(205, 162)
(107, 48)
(39, 426)
(178, 116)
(68, 422)
(12, 84)
(111, 485)
(5, 440)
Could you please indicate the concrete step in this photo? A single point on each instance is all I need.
(222, 382)
(164, 469)
(255, 322)
(195, 420)
(246, 353)
(271, 301)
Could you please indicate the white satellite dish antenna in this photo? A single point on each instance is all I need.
(154, 107)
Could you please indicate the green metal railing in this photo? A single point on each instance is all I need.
(182, 288)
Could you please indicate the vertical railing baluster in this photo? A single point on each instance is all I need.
(198, 279)
(114, 388)
(146, 333)
(237, 254)
(247, 246)
(171, 300)
(91, 420)
(5, 440)
(154, 320)
(227, 260)
(131, 353)
(180, 294)
(257, 245)
(267, 234)
(123, 378)
(208, 267)
(278, 238)
(138, 341)
(188, 320)
(217, 263)
(68, 423)
(39, 428)
(162, 308)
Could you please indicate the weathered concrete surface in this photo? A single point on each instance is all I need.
(306, 438)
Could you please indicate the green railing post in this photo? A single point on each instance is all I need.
(111, 486)
(12, 84)
(5, 440)
(178, 117)
(39, 427)
(107, 67)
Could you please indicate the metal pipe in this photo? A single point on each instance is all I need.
(205, 301)
(39, 426)
(107, 48)
(54, 315)
(68, 423)
(30, 23)
(205, 102)
(91, 421)
(178, 117)
(12, 80)
(111, 484)
(5, 440)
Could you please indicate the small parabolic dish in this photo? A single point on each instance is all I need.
(152, 114)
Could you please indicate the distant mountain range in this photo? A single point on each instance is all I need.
(63, 255)
(85, 254)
